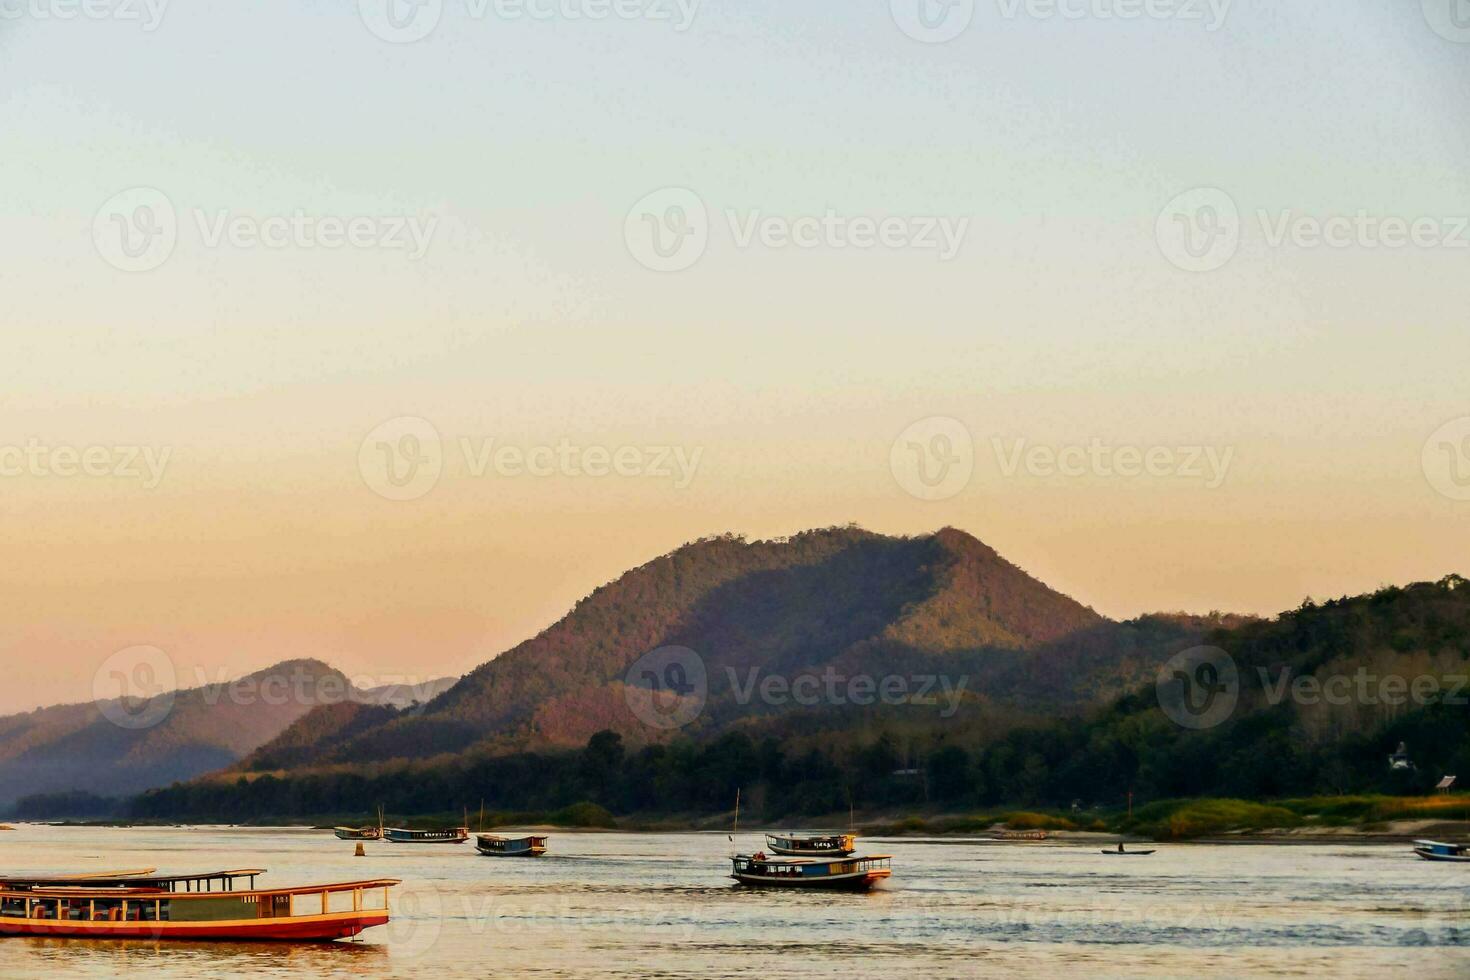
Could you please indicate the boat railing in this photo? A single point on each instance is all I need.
(112, 904)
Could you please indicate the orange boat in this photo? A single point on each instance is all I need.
(196, 907)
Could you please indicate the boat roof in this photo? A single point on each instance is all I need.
(812, 835)
(817, 860)
(144, 878)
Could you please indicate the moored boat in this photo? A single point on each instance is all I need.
(813, 845)
(357, 833)
(361, 833)
(492, 845)
(450, 835)
(1433, 850)
(143, 905)
(844, 874)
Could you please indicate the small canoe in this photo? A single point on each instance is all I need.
(1126, 854)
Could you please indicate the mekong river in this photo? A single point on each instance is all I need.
(642, 905)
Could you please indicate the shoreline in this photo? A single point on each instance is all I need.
(1406, 832)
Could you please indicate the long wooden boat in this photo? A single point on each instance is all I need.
(357, 833)
(1433, 850)
(813, 845)
(845, 874)
(206, 906)
(1127, 854)
(451, 835)
(493, 846)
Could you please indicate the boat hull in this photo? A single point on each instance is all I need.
(1452, 858)
(394, 837)
(301, 928)
(810, 852)
(858, 882)
(1127, 854)
(529, 853)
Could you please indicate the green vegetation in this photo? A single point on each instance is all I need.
(1326, 762)
(1186, 819)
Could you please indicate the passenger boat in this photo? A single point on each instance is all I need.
(813, 845)
(357, 833)
(845, 874)
(145, 905)
(451, 835)
(493, 846)
(361, 833)
(1433, 850)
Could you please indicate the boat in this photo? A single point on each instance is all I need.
(813, 845)
(361, 833)
(1119, 852)
(1433, 850)
(357, 833)
(845, 874)
(450, 835)
(494, 846)
(208, 906)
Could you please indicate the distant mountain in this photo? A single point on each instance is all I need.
(842, 601)
(95, 748)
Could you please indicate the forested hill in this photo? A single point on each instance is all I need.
(844, 599)
(1268, 739)
(1312, 702)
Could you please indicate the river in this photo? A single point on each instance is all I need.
(660, 905)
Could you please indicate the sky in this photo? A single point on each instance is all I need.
(383, 335)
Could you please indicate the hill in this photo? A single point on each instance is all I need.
(1286, 729)
(95, 747)
(844, 602)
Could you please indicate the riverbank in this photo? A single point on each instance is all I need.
(1334, 819)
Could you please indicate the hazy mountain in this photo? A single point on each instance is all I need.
(114, 747)
(840, 601)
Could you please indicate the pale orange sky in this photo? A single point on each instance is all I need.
(532, 319)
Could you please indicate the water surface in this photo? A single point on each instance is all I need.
(659, 905)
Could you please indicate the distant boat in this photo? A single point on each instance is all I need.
(844, 874)
(357, 833)
(361, 833)
(1433, 850)
(1119, 852)
(451, 835)
(492, 846)
(813, 845)
(142, 905)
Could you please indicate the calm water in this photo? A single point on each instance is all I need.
(658, 905)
